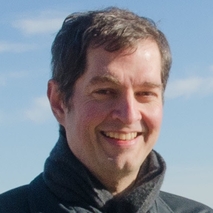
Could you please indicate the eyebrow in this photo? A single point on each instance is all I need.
(152, 85)
(104, 79)
(111, 79)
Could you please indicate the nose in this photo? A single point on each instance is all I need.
(127, 109)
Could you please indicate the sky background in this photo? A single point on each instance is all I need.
(28, 129)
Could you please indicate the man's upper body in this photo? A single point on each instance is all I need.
(66, 185)
(110, 70)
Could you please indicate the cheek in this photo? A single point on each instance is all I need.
(153, 117)
(92, 113)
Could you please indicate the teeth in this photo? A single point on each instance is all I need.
(121, 136)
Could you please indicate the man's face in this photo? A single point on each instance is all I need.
(116, 109)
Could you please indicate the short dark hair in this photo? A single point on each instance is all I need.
(112, 28)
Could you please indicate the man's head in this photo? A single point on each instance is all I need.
(109, 72)
(114, 29)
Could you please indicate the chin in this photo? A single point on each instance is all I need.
(126, 163)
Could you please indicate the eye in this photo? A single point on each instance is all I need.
(102, 94)
(145, 93)
(145, 96)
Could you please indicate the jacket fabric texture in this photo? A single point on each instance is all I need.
(66, 186)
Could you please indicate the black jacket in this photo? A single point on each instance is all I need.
(37, 198)
(67, 186)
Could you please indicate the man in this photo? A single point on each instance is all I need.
(110, 70)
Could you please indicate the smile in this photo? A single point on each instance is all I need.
(121, 136)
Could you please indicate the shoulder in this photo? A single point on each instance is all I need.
(180, 204)
(34, 197)
(15, 200)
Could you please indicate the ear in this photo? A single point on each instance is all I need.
(56, 101)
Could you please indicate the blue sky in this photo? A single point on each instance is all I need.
(28, 129)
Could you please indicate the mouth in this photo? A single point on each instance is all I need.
(121, 136)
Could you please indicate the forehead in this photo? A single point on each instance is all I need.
(142, 61)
